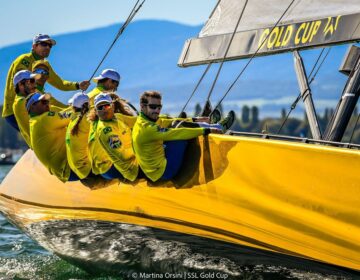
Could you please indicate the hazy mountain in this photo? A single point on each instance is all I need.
(146, 56)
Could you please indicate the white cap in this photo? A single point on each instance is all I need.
(23, 75)
(79, 99)
(37, 96)
(43, 38)
(108, 73)
(102, 98)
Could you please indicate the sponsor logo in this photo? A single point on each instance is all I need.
(298, 34)
(114, 142)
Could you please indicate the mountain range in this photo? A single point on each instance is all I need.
(146, 56)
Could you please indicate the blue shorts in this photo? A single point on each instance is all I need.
(12, 121)
(73, 177)
(174, 153)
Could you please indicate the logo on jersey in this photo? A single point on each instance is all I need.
(114, 142)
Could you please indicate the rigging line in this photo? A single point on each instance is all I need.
(196, 87)
(353, 131)
(133, 12)
(252, 57)
(226, 52)
(293, 105)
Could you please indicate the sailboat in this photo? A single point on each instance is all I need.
(239, 194)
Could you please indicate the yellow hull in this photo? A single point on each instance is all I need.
(291, 198)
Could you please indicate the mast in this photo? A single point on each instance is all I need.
(306, 96)
(337, 126)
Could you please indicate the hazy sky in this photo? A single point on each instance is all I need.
(21, 19)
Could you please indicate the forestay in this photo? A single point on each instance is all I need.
(307, 24)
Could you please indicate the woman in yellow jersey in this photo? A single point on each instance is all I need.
(101, 161)
(115, 137)
(47, 136)
(77, 134)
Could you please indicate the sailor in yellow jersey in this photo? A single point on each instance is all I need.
(24, 83)
(77, 134)
(115, 137)
(47, 135)
(107, 81)
(148, 139)
(42, 69)
(41, 47)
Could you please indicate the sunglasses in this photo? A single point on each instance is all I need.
(103, 107)
(115, 82)
(44, 44)
(154, 106)
(30, 81)
(43, 102)
(41, 71)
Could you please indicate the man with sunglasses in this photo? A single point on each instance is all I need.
(47, 136)
(158, 150)
(42, 70)
(115, 138)
(107, 81)
(41, 47)
(24, 83)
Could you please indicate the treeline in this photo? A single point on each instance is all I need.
(247, 120)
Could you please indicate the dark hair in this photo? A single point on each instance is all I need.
(119, 105)
(17, 90)
(149, 93)
(101, 81)
(92, 116)
(83, 110)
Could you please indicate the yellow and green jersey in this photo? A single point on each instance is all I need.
(77, 147)
(101, 161)
(47, 137)
(148, 138)
(53, 100)
(22, 117)
(93, 93)
(24, 62)
(115, 138)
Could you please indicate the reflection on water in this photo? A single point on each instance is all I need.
(129, 252)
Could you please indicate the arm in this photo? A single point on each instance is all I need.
(128, 120)
(155, 132)
(59, 83)
(58, 120)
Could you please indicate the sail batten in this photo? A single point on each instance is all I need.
(307, 24)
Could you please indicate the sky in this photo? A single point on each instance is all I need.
(58, 17)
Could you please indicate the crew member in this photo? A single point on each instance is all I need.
(42, 70)
(47, 136)
(159, 159)
(77, 134)
(108, 81)
(24, 83)
(41, 48)
(115, 137)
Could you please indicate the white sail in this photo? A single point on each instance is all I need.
(312, 22)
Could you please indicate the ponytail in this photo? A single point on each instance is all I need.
(84, 109)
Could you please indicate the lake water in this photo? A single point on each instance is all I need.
(22, 258)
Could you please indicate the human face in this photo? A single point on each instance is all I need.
(42, 49)
(152, 109)
(40, 107)
(105, 111)
(27, 87)
(42, 74)
(111, 85)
